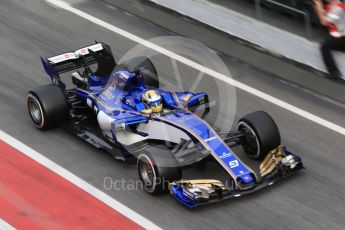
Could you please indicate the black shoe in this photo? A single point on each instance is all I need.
(337, 75)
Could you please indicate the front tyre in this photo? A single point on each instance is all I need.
(261, 134)
(155, 177)
(47, 106)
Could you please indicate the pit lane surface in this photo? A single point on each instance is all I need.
(312, 200)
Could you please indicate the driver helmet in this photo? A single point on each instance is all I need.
(152, 100)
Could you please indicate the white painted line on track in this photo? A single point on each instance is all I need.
(106, 199)
(219, 76)
(5, 226)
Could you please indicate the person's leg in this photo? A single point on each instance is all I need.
(327, 56)
(326, 48)
(337, 44)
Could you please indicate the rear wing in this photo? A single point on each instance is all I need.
(99, 53)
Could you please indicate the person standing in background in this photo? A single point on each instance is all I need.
(331, 14)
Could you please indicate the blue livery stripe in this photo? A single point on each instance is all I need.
(208, 137)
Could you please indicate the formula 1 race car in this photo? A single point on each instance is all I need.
(121, 109)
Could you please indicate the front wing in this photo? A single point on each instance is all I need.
(278, 164)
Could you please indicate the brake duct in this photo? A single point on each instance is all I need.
(274, 158)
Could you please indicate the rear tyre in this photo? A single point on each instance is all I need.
(262, 134)
(154, 176)
(47, 106)
(148, 70)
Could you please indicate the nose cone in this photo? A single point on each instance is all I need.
(246, 178)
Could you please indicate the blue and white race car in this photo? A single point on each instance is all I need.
(121, 109)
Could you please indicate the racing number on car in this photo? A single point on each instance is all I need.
(233, 164)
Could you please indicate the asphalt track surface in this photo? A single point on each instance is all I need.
(313, 199)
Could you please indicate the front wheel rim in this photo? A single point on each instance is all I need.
(252, 146)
